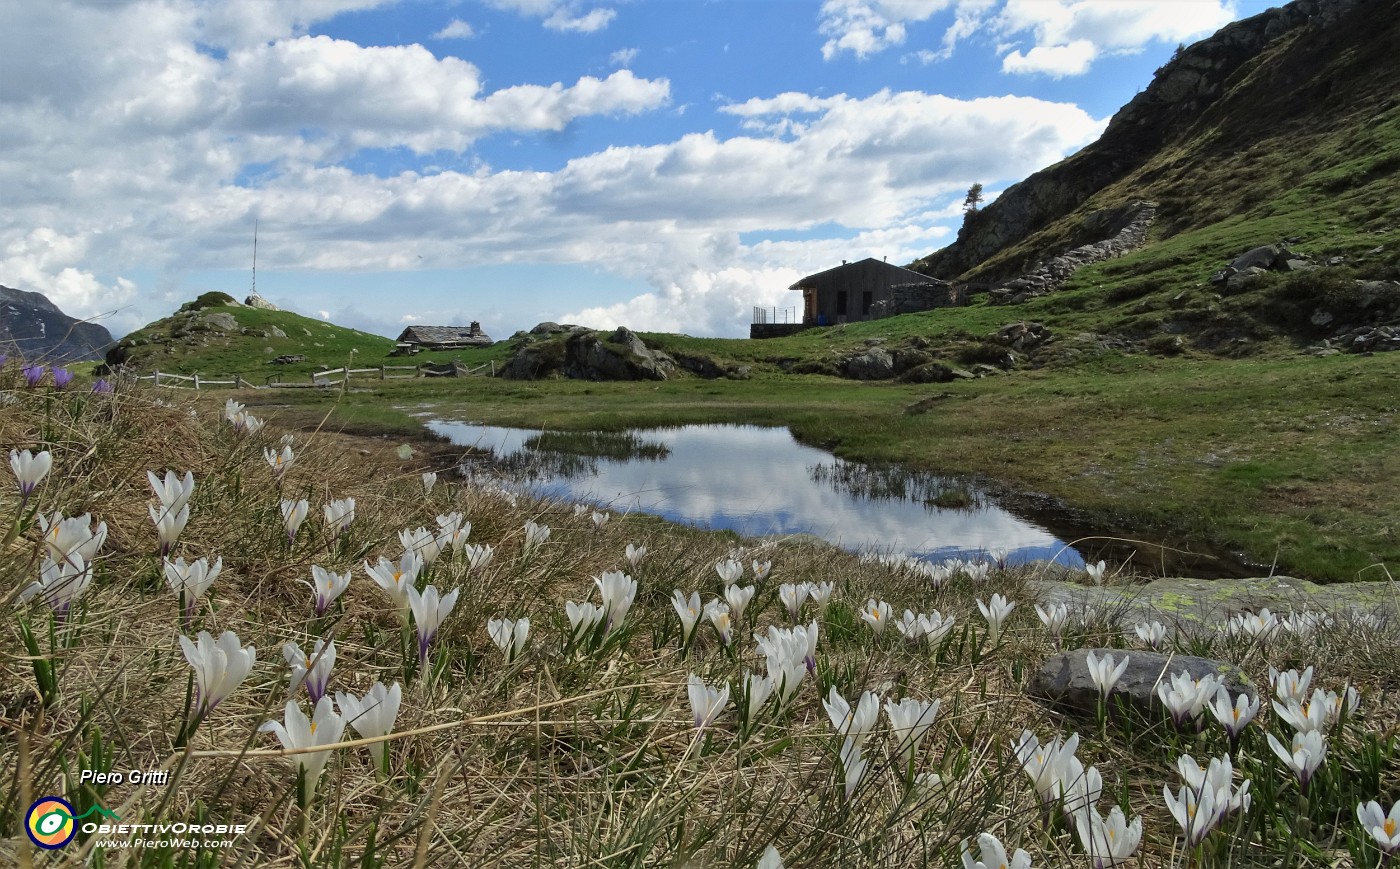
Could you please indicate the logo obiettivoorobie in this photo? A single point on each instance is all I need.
(50, 822)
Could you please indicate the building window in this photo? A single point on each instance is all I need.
(866, 300)
(841, 303)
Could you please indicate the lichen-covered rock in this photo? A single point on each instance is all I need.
(873, 364)
(1064, 681)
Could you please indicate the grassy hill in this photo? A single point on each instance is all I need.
(215, 336)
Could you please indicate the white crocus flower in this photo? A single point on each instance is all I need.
(1095, 572)
(397, 579)
(66, 538)
(761, 569)
(1104, 674)
(232, 409)
(1304, 756)
(771, 859)
(220, 666)
(583, 618)
(1151, 633)
(29, 469)
(1384, 828)
(854, 723)
(60, 582)
(1234, 717)
(738, 597)
(429, 609)
(324, 728)
(635, 554)
(173, 492)
(313, 671)
(327, 585)
(617, 591)
(190, 581)
(279, 461)
(373, 716)
(509, 636)
(876, 614)
(1186, 697)
(1055, 617)
(820, 592)
(478, 556)
(1314, 713)
(995, 613)
(535, 536)
(910, 719)
(706, 703)
(600, 520)
(729, 570)
(1290, 685)
(1046, 764)
(993, 855)
(1218, 778)
(689, 611)
(718, 614)
(1195, 812)
(429, 481)
(169, 525)
(1108, 841)
(293, 514)
(338, 515)
(793, 596)
(757, 690)
(854, 764)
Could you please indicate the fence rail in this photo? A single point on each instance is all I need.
(765, 316)
(192, 381)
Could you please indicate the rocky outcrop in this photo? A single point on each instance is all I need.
(873, 364)
(551, 350)
(1128, 233)
(1063, 679)
(257, 301)
(1256, 261)
(34, 328)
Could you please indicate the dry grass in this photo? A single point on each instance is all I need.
(561, 759)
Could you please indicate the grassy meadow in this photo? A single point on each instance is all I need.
(578, 746)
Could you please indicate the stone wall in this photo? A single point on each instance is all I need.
(924, 296)
(1046, 277)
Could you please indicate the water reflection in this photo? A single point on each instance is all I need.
(759, 481)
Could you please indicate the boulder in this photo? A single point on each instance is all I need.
(1262, 257)
(219, 321)
(257, 301)
(1063, 679)
(933, 372)
(288, 359)
(873, 364)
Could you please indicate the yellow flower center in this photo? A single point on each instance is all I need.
(1389, 826)
(313, 728)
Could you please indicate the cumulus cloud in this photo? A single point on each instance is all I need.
(455, 29)
(1066, 35)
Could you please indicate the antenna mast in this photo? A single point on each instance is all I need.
(255, 256)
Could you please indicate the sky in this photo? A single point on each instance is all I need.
(666, 165)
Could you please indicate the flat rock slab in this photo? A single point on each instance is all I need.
(1190, 603)
(1063, 680)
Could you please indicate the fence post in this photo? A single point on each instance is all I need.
(157, 380)
(381, 372)
(493, 368)
(196, 380)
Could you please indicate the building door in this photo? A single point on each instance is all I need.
(841, 303)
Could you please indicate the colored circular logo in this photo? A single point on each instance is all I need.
(50, 823)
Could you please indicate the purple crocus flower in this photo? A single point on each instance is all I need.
(61, 378)
(33, 374)
(102, 387)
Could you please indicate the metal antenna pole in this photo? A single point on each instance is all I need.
(255, 256)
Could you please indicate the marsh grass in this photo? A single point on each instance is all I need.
(565, 757)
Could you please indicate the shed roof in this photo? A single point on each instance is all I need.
(443, 335)
(898, 274)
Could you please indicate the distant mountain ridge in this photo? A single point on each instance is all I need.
(33, 327)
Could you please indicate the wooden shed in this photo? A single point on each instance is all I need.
(869, 290)
(444, 337)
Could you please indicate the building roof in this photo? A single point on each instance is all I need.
(898, 274)
(444, 335)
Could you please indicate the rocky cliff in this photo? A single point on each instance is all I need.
(33, 327)
(1301, 66)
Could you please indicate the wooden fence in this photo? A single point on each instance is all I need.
(180, 381)
(340, 376)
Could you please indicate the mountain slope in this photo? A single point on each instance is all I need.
(33, 327)
(1289, 113)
